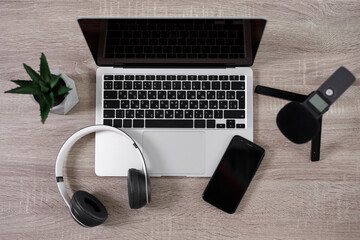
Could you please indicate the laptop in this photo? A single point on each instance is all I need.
(180, 87)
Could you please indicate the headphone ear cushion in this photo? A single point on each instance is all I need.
(136, 189)
(87, 209)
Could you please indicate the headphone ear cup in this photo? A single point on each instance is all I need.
(87, 210)
(136, 189)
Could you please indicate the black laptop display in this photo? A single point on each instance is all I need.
(173, 42)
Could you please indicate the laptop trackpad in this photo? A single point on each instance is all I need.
(175, 153)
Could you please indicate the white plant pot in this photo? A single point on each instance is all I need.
(69, 101)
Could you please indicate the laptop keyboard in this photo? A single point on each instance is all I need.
(185, 38)
(174, 101)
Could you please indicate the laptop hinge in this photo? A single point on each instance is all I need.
(170, 65)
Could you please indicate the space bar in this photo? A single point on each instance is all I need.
(150, 123)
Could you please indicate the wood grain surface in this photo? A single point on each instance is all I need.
(289, 198)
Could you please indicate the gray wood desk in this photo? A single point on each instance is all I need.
(289, 198)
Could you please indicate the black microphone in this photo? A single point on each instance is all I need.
(299, 122)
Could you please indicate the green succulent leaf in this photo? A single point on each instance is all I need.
(44, 87)
(25, 89)
(44, 69)
(54, 81)
(23, 83)
(34, 75)
(44, 109)
(61, 90)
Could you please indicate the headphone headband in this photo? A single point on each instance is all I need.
(77, 136)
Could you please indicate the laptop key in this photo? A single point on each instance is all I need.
(199, 114)
(140, 77)
(127, 85)
(142, 95)
(164, 104)
(171, 77)
(150, 123)
(154, 104)
(225, 85)
(123, 95)
(237, 85)
(205, 85)
(240, 125)
(210, 94)
(137, 123)
(223, 105)
(232, 104)
(111, 103)
(186, 85)
(201, 95)
(194, 104)
(240, 95)
(220, 125)
(119, 77)
(135, 104)
(129, 113)
(159, 113)
(152, 95)
(208, 114)
(127, 123)
(110, 94)
(199, 123)
(218, 114)
(189, 113)
(129, 77)
(181, 94)
(166, 85)
(242, 77)
(108, 84)
(150, 77)
(147, 85)
(230, 123)
(234, 114)
(171, 95)
(120, 114)
(109, 113)
(220, 95)
(144, 103)
(138, 85)
(107, 122)
(108, 77)
(184, 104)
(118, 123)
(118, 85)
(169, 113)
(156, 85)
(174, 104)
(132, 95)
(176, 85)
(179, 113)
(125, 104)
(149, 113)
(191, 94)
(210, 123)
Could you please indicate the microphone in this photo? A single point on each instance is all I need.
(299, 122)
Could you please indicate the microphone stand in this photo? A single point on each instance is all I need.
(295, 97)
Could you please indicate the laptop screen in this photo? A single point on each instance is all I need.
(173, 41)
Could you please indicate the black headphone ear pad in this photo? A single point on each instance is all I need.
(136, 188)
(87, 209)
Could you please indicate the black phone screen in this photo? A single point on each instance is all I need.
(233, 174)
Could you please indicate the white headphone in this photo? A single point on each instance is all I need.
(86, 209)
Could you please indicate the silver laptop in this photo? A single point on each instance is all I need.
(181, 87)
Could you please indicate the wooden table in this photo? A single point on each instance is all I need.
(289, 198)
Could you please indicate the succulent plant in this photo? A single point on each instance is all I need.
(45, 87)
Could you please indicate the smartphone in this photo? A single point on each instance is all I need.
(233, 175)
